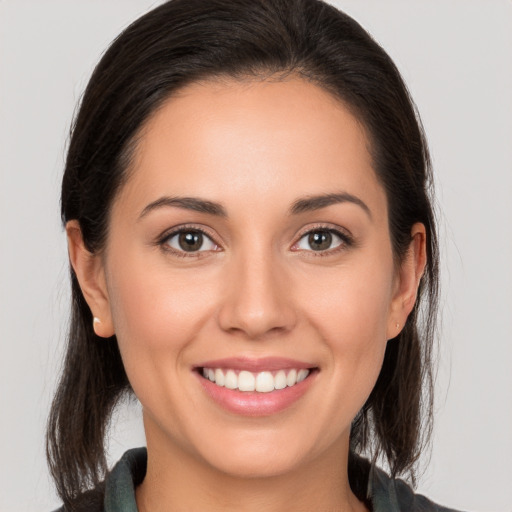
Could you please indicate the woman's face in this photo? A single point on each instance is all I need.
(251, 243)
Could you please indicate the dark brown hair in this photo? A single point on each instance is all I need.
(183, 41)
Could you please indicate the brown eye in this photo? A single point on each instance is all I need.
(190, 240)
(320, 240)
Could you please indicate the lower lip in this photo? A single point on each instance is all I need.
(252, 403)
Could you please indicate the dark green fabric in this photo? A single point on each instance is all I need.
(393, 495)
(126, 475)
(383, 493)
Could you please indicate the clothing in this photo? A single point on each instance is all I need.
(383, 493)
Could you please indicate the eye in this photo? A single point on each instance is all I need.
(190, 240)
(319, 240)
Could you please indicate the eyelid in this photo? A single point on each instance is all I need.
(176, 230)
(343, 233)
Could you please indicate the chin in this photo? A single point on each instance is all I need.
(263, 454)
(255, 466)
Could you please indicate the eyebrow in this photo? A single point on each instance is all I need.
(305, 204)
(318, 202)
(188, 203)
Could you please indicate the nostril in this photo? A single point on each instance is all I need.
(256, 324)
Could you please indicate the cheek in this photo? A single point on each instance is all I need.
(156, 312)
(355, 303)
(351, 312)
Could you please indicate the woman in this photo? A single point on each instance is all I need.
(251, 242)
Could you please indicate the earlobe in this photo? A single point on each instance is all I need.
(89, 270)
(410, 273)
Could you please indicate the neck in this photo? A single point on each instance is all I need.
(178, 480)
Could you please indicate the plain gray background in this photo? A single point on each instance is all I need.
(456, 56)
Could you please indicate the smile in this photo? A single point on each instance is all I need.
(256, 387)
(261, 382)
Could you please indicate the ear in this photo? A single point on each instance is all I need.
(89, 270)
(408, 280)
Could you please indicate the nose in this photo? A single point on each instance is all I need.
(257, 299)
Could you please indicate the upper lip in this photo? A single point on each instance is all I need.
(256, 364)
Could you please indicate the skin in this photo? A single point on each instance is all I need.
(258, 289)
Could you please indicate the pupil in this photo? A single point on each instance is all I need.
(191, 241)
(320, 240)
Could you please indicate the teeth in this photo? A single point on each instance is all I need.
(262, 382)
(280, 380)
(265, 382)
(231, 380)
(291, 379)
(219, 377)
(246, 381)
(301, 375)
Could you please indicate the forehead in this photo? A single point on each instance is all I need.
(253, 139)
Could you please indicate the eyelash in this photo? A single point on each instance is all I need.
(346, 241)
(163, 241)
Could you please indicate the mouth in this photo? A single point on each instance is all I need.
(250, 387)
(261, 382)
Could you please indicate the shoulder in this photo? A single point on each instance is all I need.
(381, 493)
(89, 501)
(117, 492)
(394, 495)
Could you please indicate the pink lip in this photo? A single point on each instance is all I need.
(256, 365)
(251, 403)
